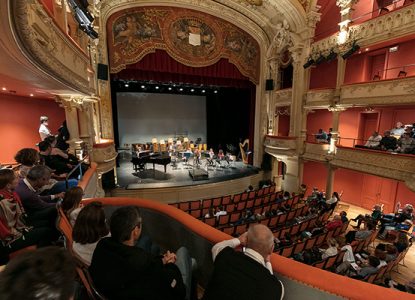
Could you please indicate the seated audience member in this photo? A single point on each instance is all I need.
(71, 204)
(331, 250)
(398, 130)
(361, 234)
(343, 216)
(329, 135)
(318, 228)
(413, 130)
(56, 151)
(335, 223)
(392, 220)
(250, 189)
(44, 131)
(388, 142)
(374, 217)
(321, 136)
(368, 269)
(56, 163)
(15, 233)
(90, 227)
(41, 210)
(47, 273)
(374, 140)
(401, 242)
(220, 211)
(391, 252)
(348, 256)
(331, 203)
(27, 158)
(406, 144)
(247, 274)
(122, 271)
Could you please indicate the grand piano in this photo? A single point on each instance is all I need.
(140, 159)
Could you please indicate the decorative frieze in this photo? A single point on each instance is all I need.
(317, 152)
(276, 145)
(319, 98)
(104, 155)
(283, 97)
(394, 91)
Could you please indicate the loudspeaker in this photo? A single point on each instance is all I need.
(269, 85)
(102, 72)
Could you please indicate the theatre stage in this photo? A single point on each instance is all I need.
(174, 184)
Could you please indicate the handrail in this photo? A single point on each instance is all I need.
(73, 170)
(85, 180)
(281, 137)
(308, 275)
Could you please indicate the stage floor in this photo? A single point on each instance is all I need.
(149, 178)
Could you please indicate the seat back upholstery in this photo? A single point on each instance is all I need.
(65, 227)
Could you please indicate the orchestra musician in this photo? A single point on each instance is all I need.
(197, 157)
(210, 160)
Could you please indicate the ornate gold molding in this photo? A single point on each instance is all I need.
(105, 158)
(317, 152)
(384, 164)
(382, 92)
(275, 145)
(394, 24)
(48, 48)
(283, 97)
(319, 98)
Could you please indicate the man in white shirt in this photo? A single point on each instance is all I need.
(374, 140)
(44, 131)
(247, 274)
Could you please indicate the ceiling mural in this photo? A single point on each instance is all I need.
(193, 38)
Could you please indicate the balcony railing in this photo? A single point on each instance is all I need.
(282, 145)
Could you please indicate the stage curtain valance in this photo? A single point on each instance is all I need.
(192, 38)
(159, 66)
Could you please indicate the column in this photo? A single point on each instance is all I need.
(71, 116)
(330, 180)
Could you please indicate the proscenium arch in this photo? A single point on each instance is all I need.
(251, 19)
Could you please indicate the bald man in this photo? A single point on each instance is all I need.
(245, 274)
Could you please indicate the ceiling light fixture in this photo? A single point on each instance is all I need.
(3, 89)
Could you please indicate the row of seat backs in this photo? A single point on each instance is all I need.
(225, 200)
(235, 213)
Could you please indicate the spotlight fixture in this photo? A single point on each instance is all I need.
(169, 88)
(31, 95)
(143, 86)
(203, 91)
(3, 89)
(332, 55)
(156, 87)
(309, 63)
(126, 84)
(320, 59)
(215, 91)
(355, 47)
(192, 90)
(181, 89)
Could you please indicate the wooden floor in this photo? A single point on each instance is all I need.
(405, 272)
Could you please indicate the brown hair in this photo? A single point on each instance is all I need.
(72, 199)
(27, 156)
(6, 177)
(90, 226)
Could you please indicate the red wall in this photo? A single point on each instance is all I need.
(404, 56)
(324, 75)
(283, 125)
(330, 18)
(357, 69)
(49, 5)
(321, 118)
(349, 126)
(362, 11)
(359, 189)
(19, 124)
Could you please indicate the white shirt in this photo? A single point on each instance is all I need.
(221, 213)
(332, 200)
(331, 251)
(348, 255)
(373, 141)
(44, 131)
(233, 243)
(85, 251)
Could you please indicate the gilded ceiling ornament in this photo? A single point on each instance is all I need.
(254, 2)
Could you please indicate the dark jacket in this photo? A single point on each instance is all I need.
(239, 277)
(31, 201)
(125, 272)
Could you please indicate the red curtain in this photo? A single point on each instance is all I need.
(159, 66)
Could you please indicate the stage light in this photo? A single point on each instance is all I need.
(215, 91)
(203, 91)
(181, 89)
(126, 85)
(143, 86)
(320, 59)
(169, 88)
(31, 95)
(331, 56)
(192, 90)
(352, 50)
(309, 63)
(157, 87)
(3, 89)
